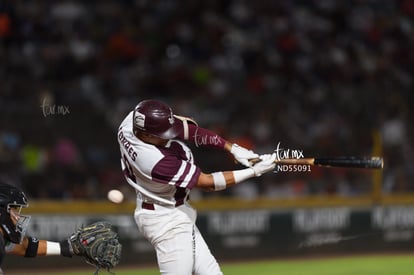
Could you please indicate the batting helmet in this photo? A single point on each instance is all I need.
(156, 118)
(12, 197)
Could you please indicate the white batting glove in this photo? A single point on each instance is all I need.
(266, 164)
(243, 155)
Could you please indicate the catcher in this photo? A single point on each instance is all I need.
(97, 243)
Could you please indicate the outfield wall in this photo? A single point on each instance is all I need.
(251, 233)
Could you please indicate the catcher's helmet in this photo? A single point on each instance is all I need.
(156, 118)
(12, 197)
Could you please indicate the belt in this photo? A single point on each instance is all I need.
(151, 206)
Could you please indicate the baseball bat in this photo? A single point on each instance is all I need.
(348, 162)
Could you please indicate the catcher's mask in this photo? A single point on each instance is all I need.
(155, 118)
(13, 224)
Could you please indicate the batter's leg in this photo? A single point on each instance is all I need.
(205, 263)
(175, 255)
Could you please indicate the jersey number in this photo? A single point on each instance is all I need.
(127, 168)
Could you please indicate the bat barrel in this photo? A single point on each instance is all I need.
(351, 162)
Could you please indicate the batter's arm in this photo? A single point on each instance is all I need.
(221, 180)
(206, 181)
(201, 137)
(204, 137)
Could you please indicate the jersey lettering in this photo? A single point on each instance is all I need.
(127, 145)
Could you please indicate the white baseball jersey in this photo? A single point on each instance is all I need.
(163, 177)
(168, 173)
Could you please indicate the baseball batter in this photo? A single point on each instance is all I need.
(161, 168)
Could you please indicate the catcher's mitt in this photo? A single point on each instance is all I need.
(98, 244)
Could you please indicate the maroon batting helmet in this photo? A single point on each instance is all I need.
(156, 118)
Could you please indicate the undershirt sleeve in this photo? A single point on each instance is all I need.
(204, 137)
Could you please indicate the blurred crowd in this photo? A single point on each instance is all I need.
(325, 77)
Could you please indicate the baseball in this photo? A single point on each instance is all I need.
(115, 196)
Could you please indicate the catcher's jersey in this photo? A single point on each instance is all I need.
(165, 173)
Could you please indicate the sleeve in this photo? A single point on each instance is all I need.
(203, 137)
(176, 172)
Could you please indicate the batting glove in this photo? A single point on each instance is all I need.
(266, 164)
(243, 155)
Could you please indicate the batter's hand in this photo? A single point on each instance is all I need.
(243, 155)
(266, 164)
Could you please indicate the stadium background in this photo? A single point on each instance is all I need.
(327, 77)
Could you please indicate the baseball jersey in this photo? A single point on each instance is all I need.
(163, 172)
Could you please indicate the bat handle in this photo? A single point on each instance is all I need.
(300, 161)
(253, 161)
